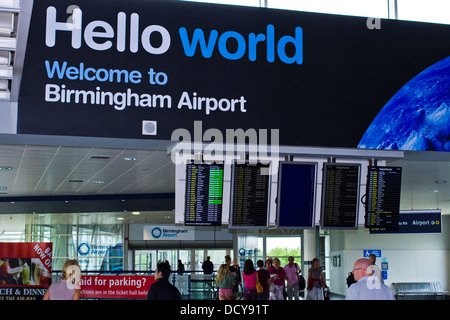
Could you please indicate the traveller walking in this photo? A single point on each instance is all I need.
(277, 277)
(292, 271)
(224, 281)
(367, 286)
(250, 277)
(64, 290)
(263, 279)
(316, 281)
(162, 289)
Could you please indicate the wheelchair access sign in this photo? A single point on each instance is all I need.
(368, 252)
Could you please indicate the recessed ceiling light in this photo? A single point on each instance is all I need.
(136, 213)
(130, 158)
(441, 181)
(99, 181)
(5, 168)
(120, 218)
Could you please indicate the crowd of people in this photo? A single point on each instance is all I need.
(268, 281)
(271, 281)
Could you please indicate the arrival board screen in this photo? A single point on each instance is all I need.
(250, 186)
(296, 195)
(383, 197)
(340, 196)
(204, 189)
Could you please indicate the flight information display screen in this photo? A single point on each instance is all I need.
(250, 192)
(204, 190)
(340, 196)
(296, 197)
(383, 197)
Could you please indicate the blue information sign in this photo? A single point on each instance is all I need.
(368, 252)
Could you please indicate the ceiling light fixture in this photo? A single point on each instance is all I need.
(441, 181)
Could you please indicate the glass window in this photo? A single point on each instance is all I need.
(283, 247)
(185, 257)
(364, 8)
(217, 257)
(437, 11)
(199, 258)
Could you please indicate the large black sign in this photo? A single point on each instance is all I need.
(142, 69)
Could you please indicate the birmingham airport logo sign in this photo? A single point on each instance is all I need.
(237, 142)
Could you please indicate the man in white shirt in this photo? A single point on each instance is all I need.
(292, 271)
(368, 286)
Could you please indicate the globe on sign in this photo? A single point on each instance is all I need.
(417, 117)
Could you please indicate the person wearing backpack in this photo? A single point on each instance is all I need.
(292, 271)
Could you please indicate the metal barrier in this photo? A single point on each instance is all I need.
(419, 291)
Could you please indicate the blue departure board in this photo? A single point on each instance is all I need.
(296, 196)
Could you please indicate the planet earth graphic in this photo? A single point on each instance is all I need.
(417, 117)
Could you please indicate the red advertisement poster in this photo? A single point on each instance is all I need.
(25, 270)
(115, 287)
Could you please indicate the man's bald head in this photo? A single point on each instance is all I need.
(361, 268)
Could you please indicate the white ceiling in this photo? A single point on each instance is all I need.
(73, 176)
(58, 171)
(423, 184)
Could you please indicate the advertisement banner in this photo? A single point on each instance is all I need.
(115, 287)
(153, 69)
(25, 270)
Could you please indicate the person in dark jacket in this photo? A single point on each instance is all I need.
(162, 289)
(208, 266)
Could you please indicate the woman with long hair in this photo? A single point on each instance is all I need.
(224, 281)
(250, 277)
